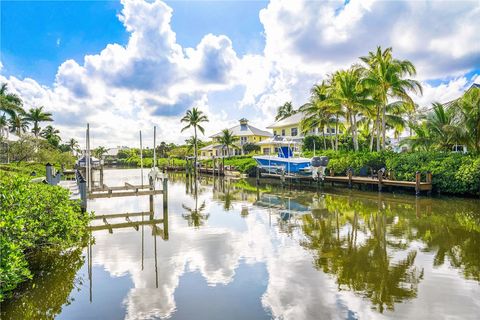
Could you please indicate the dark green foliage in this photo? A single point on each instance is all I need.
(53, 281)
(33, 217)
(251, 147)
(452, 172)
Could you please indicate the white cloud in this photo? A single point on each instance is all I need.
(153, 80)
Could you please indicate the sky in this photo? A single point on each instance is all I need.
(125, 66)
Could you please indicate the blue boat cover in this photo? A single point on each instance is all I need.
(285, 152)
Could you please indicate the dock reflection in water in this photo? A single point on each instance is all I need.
(235, 251)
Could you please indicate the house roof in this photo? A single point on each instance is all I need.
(292, 120)
(449, 103)
(245, 130)
(211, 147)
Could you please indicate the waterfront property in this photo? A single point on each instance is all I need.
(289, 132)
(244, 132)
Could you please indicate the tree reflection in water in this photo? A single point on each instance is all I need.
(43, 296)
(366, 245)
(195, 216)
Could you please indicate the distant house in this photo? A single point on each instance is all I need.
(289, 131)
(111, 156)
(245, 132)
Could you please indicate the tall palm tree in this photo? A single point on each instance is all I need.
(18, 124)
(227, 140)
(386, 77)
(285, 111)
(348, 91)
(72, 144)
(10, 103)
(52, 135)
(99, 152)
(193, 118)
(467, 111)
(320, 113)
(35, 116)
(190, 142)
(3, 125)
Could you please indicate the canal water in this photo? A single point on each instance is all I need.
(232, 250)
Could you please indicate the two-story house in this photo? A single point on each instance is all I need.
(289, 132)
(245, 133)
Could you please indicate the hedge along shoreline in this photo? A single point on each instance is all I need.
(453, 173)
(33, 217)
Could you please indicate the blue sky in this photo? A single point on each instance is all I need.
(132, 64)
(72, 29)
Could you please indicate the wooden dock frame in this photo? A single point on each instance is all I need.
(350, 180)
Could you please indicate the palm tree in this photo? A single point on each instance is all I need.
(10, 103)
(100, 152)
(227, 140)
(348, 91)
(72, 144)
(3, 125)
(52, 135)
(18, 124)
(384, 75)
(37, 115)
(285, 111)
(318, 113)
(190, 142)
(467, 109)
(193, 118)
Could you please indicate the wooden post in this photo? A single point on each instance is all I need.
(417, 182)
(332, 173)
(350, 173)
(380, 180)
(82, 188)
(258, 176)
(429, 180)
(49, 173)
(165, 193)
(165, 207)
(101, 176)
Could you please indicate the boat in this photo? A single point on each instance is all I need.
(283, 162)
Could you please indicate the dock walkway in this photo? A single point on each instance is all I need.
(71, 185)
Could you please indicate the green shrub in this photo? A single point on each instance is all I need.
(32, 217)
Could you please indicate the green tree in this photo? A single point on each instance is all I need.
(467, 111)
(10, 103)
(72, 144)
(99, 152)
(227, 140)
(193, 118)
(285, 111)
(385, 76)
(18, 124)
(36, 116)
(51, 135)
(347, 90)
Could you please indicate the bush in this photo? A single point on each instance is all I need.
(33, 217)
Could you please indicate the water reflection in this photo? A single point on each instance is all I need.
(50, 289)
(272, 252)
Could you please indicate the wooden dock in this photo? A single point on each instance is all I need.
(351, 180)
(123, 191)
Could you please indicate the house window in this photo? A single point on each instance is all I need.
(294, 132)
(283, 132)
(266, 150)
(243, 140)
(274, 132)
